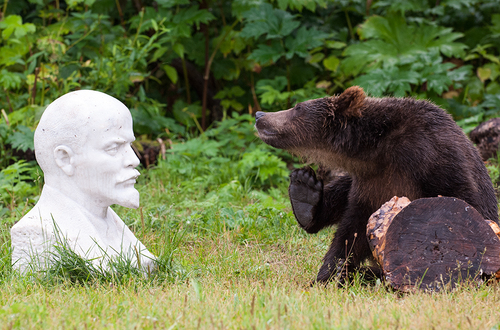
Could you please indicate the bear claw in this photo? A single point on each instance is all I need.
(306, 193)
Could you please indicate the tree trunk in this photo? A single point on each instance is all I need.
(433, 243)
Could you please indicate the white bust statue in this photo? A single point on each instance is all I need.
(83, 146)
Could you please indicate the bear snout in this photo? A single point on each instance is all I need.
(259, 114)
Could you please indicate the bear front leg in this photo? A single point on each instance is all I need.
(306, 195)
(316, 207)
(349, 246)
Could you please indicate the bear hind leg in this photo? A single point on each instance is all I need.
(348, 249)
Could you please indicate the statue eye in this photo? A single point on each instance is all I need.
(112, 150)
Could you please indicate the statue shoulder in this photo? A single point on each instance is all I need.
(32, 226)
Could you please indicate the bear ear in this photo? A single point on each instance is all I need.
(350, 102)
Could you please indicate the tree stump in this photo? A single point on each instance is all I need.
(432, 243)
(149, 151)
(486, 136)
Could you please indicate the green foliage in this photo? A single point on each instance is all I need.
(401, 59)
(266, 20)
(18, 184)
(231, 149)
(13, 50)
(262, 54)
(186, 114)
(379, 81)
(21, 138)
(390, 40)
(300, 4)
(276, 25)
(229, 98)
(174, 62)
(215, 210)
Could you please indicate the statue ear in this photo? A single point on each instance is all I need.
(63, 156)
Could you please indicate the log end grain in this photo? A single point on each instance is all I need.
(380, 221)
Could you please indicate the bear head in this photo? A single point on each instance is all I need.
(308, 125)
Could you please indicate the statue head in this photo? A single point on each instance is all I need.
(83, 146)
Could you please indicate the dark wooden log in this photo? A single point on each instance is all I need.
(149, 151)
(433, 243)
(486, 136)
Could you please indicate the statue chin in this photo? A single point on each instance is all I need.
(129, 198)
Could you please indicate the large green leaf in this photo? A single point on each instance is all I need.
(390, 80)
(304, 40)
(402, 6)
(268, 53)
(14, 24)
(279, 83)
(331, 63)
(392, 40)
(270, 90)
(373, 52)
(171, 3)
(492, 101)
(186, 113)
(10, 80)
(300, 4)
(495, 27)
(240, 7)
(193, 15)
(13, 53)
(433, 71)
(22, 138)
(275, 23)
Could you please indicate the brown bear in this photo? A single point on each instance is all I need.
(387, 147)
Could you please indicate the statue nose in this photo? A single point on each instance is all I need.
(131, 158)
(259, 114)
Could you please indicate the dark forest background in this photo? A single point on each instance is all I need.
(194, 72)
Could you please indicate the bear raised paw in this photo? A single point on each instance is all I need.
(306, 193)
(388, 147)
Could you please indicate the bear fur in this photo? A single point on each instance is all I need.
(388, 147)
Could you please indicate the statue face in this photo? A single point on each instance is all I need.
(104, 169)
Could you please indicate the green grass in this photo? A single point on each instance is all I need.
(275, 301)
(234, 285)
(232, 257)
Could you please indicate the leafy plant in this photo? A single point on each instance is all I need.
(399, 57)
(18, 186)
(285, 40)
(228, 155)
(185, 66)
(228, 97)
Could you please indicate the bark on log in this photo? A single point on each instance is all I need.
(379, 222)
(486, 136)
(432, 243)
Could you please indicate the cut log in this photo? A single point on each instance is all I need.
(433, 243)
(379, 223)
(486, 136)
